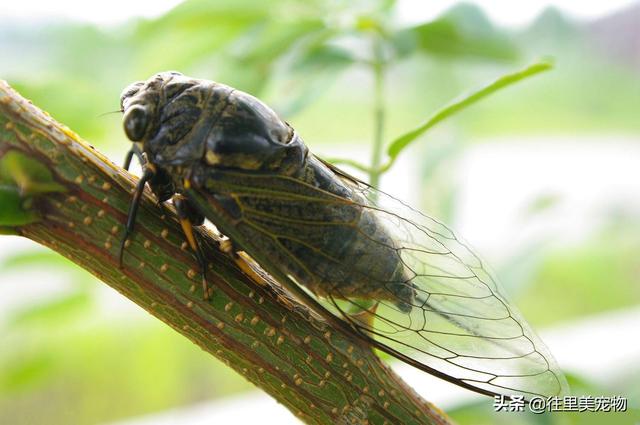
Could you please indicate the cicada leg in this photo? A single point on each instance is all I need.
(365, 316)
(147, 175)
(135, 150)
(241, 261)
(190, 217)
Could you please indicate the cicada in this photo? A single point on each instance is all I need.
(396, 278)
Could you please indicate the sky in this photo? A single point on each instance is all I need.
(504, 12)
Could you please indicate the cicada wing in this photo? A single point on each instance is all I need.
(439, 309)
(460, 323)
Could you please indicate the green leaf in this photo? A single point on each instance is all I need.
(314, 69)
(456, 106)
(23, 372)
(252, 58)
(323, 56)
(7, 230)
(20, 178)
(462, 32)
(308, 70)
(57, 310)
(31, 259)
(13, 211)
(305, 91)
(26, 174)
(267, 42)
(542, 203)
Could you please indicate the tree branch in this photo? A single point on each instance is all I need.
(58, 191)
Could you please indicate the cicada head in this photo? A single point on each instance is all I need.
(165, 116)
(180, 120)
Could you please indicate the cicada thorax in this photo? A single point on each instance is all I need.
(316, 228)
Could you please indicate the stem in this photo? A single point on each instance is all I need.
(321, 374)
(379, 68)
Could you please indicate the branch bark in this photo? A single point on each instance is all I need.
(59, 191)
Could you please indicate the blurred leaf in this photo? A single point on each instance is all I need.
(303, 93)
(22, 373)
(4, 230)
(13, 211)
(27, 174)
(263, 46)
(201, 15)
(438, 155)
(313, 71)
(519, 270)
(53, 310)
(44, 258)
(542, 203)
(581, 385)
(609, 256)
(268, 41)
(234, 41)
(400, 143)
(20, 177)
(321, 57)
(464, 31)
(75, 99)
(195, 31)
(311, 68)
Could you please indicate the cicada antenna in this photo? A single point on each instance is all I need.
(110, 112)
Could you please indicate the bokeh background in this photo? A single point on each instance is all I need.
(542, 178)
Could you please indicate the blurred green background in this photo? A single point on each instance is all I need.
(542, 177)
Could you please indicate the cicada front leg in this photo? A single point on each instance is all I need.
(147, 175)
(135, 150)
(190, 217)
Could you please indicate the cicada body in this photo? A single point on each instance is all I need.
(429, 301)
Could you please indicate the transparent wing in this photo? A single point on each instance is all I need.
(460, 323)
(401, 279)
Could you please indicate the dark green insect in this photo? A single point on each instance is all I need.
(385, 272)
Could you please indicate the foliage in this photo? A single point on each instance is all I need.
(303, 57)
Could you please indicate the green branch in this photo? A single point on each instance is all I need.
(57, 190)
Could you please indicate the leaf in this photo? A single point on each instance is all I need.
(464, 31)
(26, 174)
(7, 230)
(268, 41)
(21, 177)
(323, 56)
(456, 106)
(305, 91)
(21, 373)
(195, 32)
(542, 203)
(308, 70)
(37, 258)
(13, 211)
(253, 56)
(313, 70)
(52, 311)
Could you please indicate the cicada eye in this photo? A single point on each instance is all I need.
(135, 122)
